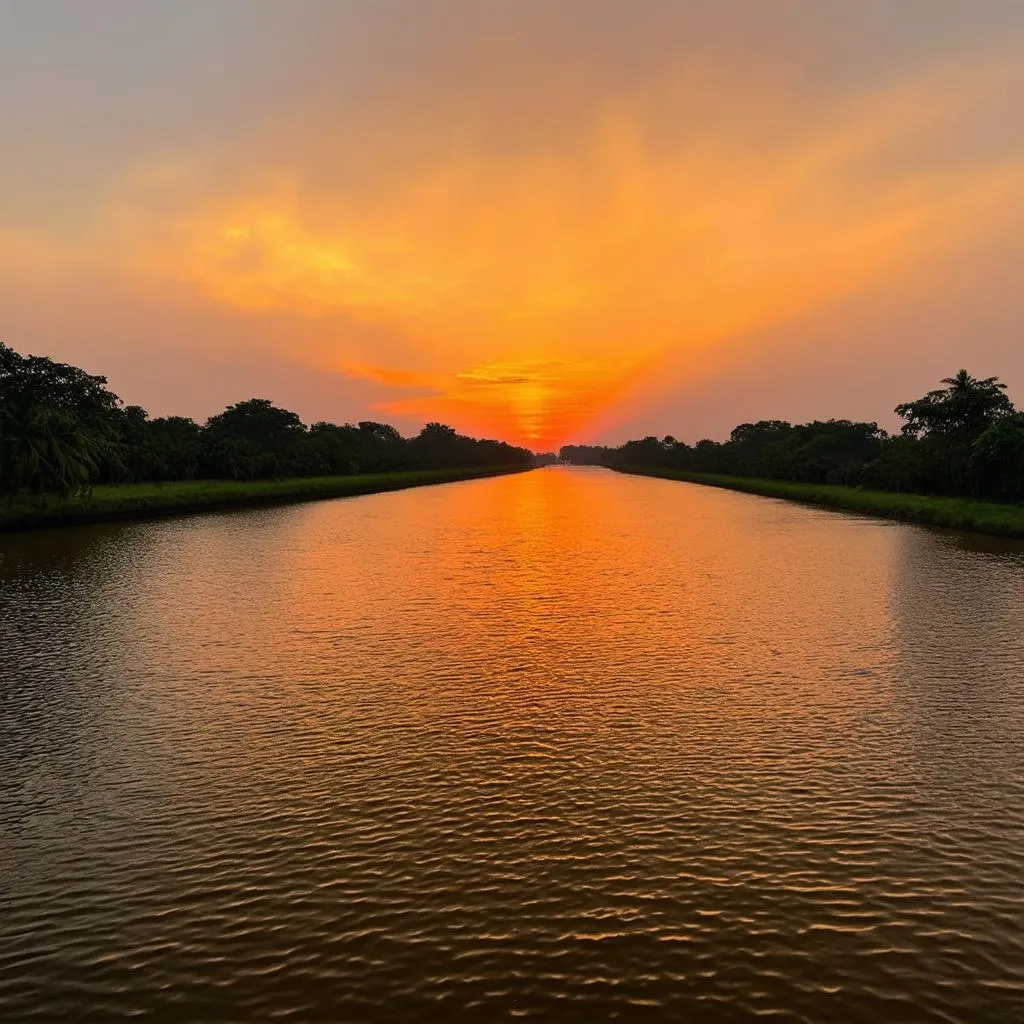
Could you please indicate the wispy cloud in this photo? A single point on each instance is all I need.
(548, 214)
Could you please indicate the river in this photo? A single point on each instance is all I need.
(568, 744)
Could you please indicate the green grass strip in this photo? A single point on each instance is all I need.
(144, 501)
(952, 513)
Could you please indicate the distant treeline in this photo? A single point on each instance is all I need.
(62, 430)
(965, 439)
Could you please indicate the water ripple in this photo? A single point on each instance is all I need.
(568, 743)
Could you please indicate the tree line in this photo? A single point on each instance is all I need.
(62, 430)
(964, 438)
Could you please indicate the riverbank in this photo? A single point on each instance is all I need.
(952, 513)
(147, 501)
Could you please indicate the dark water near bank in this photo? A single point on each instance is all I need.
(571, 745)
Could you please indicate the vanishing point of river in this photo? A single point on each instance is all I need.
(567, 745)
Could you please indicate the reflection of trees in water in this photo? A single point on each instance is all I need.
(57, 588)
(95, 625)
(64, 598)
(958, 608)
(958, 611)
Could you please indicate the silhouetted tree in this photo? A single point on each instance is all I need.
(997, 459)
(175, 446)
(61, 430)
(963, 438)
(952, 418)
(584, 454)
(43, 449)
(253, 439)
(55, 424)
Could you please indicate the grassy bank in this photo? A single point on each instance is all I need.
(954, 513)
(144, 501)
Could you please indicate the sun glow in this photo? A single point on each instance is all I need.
(534, 296)
(530, 277)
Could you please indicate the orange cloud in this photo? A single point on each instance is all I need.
(531, 291)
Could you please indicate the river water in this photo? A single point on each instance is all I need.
(568, 744)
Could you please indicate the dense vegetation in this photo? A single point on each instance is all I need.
(964, 440)
(62, 432)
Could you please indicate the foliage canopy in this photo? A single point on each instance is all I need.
(62, 431)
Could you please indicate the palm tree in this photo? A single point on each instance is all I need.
(43, 450)
(959, 412)
(954, 417)
(973, 405)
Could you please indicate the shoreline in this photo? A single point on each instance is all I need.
(950, 513)
(117, 502)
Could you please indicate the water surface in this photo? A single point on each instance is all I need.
(568, 744)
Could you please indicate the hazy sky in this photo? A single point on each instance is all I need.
(581, 220)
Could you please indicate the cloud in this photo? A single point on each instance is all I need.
(535, 220)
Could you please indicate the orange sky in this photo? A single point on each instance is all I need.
(546, 226)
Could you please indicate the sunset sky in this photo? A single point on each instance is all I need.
(547, 222)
